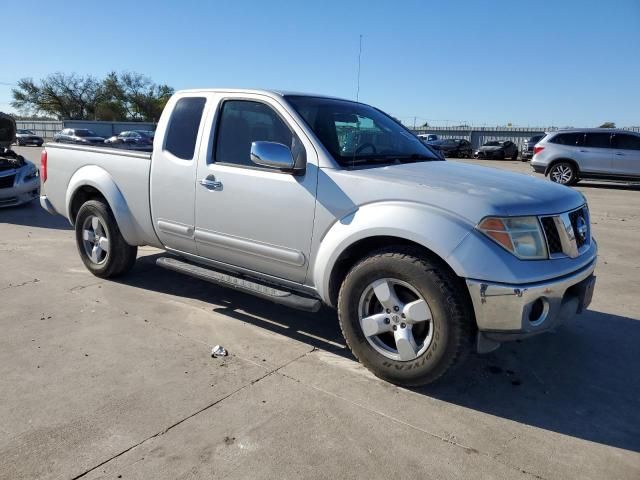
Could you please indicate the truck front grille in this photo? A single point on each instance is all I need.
(7, 182)
(567, 234)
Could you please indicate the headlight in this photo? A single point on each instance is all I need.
(521, 236)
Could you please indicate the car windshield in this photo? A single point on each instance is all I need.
(535, 139)
(145, 133)
(83, 132)
(493, 144)
(357, 134)
(25, 132)
(445, 142)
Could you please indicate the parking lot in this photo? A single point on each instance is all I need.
(104, 379)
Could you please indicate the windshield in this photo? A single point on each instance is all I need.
(83, 132)
(144, 133)
(535, 139)
(357, 134)
(25, 132)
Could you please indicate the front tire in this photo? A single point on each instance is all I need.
(405, 317)
(563, 173)
(100, 244)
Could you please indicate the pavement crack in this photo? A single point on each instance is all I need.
(184, 419)
(28, 282)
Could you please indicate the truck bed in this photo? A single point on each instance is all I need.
(124, 172)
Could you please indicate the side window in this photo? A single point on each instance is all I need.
(625, 141)
(243, 122)
(184, 123)
(598, 140)
(571, 139)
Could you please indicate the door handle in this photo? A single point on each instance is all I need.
(211, 183)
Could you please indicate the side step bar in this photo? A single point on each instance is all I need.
(276, 295)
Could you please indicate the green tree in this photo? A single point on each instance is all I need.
(608, 125)
(125, 96)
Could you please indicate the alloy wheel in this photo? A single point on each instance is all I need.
(95, 240)
(395, 319)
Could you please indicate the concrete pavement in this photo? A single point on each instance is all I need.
(103, 379)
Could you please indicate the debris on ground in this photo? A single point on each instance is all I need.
(218, 351)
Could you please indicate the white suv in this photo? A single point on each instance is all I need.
(567, 156)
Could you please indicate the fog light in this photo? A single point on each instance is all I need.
(538, 311)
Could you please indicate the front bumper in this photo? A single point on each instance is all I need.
(18, 194)
(506, 312)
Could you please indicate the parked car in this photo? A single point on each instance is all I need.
(567, 156)
(423, 259)
(132, 137)
(428, 137)
(526, 151)
(19, 178)
(77, 135)
(457, 148)
(498, 150)
(27, 137)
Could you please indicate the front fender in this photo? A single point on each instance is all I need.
(438, 230)
(99, 178)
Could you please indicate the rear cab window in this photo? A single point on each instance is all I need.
(182, 132)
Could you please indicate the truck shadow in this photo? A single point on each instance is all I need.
(32, 215)
(580, 381)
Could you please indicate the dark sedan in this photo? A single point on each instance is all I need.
(27, 137)
(526, 153)
(498, 150)
(78, 135)
(132, 137)
(453, 147)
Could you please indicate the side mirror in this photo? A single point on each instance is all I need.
(272, 155)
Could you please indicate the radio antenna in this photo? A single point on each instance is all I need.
(359, 57)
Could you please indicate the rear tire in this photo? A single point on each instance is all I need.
(514, 156)
(405, 350)
(101, 246)
(563, 173)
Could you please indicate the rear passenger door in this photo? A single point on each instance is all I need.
(626, 154)
(250, 216)
(596, 154)
(173, 173)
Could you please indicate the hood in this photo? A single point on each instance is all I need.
(490, 148)
(469, 191)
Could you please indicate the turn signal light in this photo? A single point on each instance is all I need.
(43, 166)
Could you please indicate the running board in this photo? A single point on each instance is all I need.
(276, 295)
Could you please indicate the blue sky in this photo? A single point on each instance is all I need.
(540, 63)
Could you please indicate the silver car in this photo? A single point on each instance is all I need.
(567, 156)
(19, 178)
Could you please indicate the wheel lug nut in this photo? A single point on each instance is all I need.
(387, 321)
(395, 327)
(403, 325)
(388, 311)
(396, 308)
(403, 316)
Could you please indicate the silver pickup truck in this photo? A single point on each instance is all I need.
(308, 200)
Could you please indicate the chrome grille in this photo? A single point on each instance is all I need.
(551, 232)
(568, 234)
(7, 182)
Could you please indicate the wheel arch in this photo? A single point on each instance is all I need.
(92, 182)
(433, 232)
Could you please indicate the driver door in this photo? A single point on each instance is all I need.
(250, 216)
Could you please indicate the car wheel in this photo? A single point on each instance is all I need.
(405, 316)
(102, 248)
(515, 155)
(563, 173)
